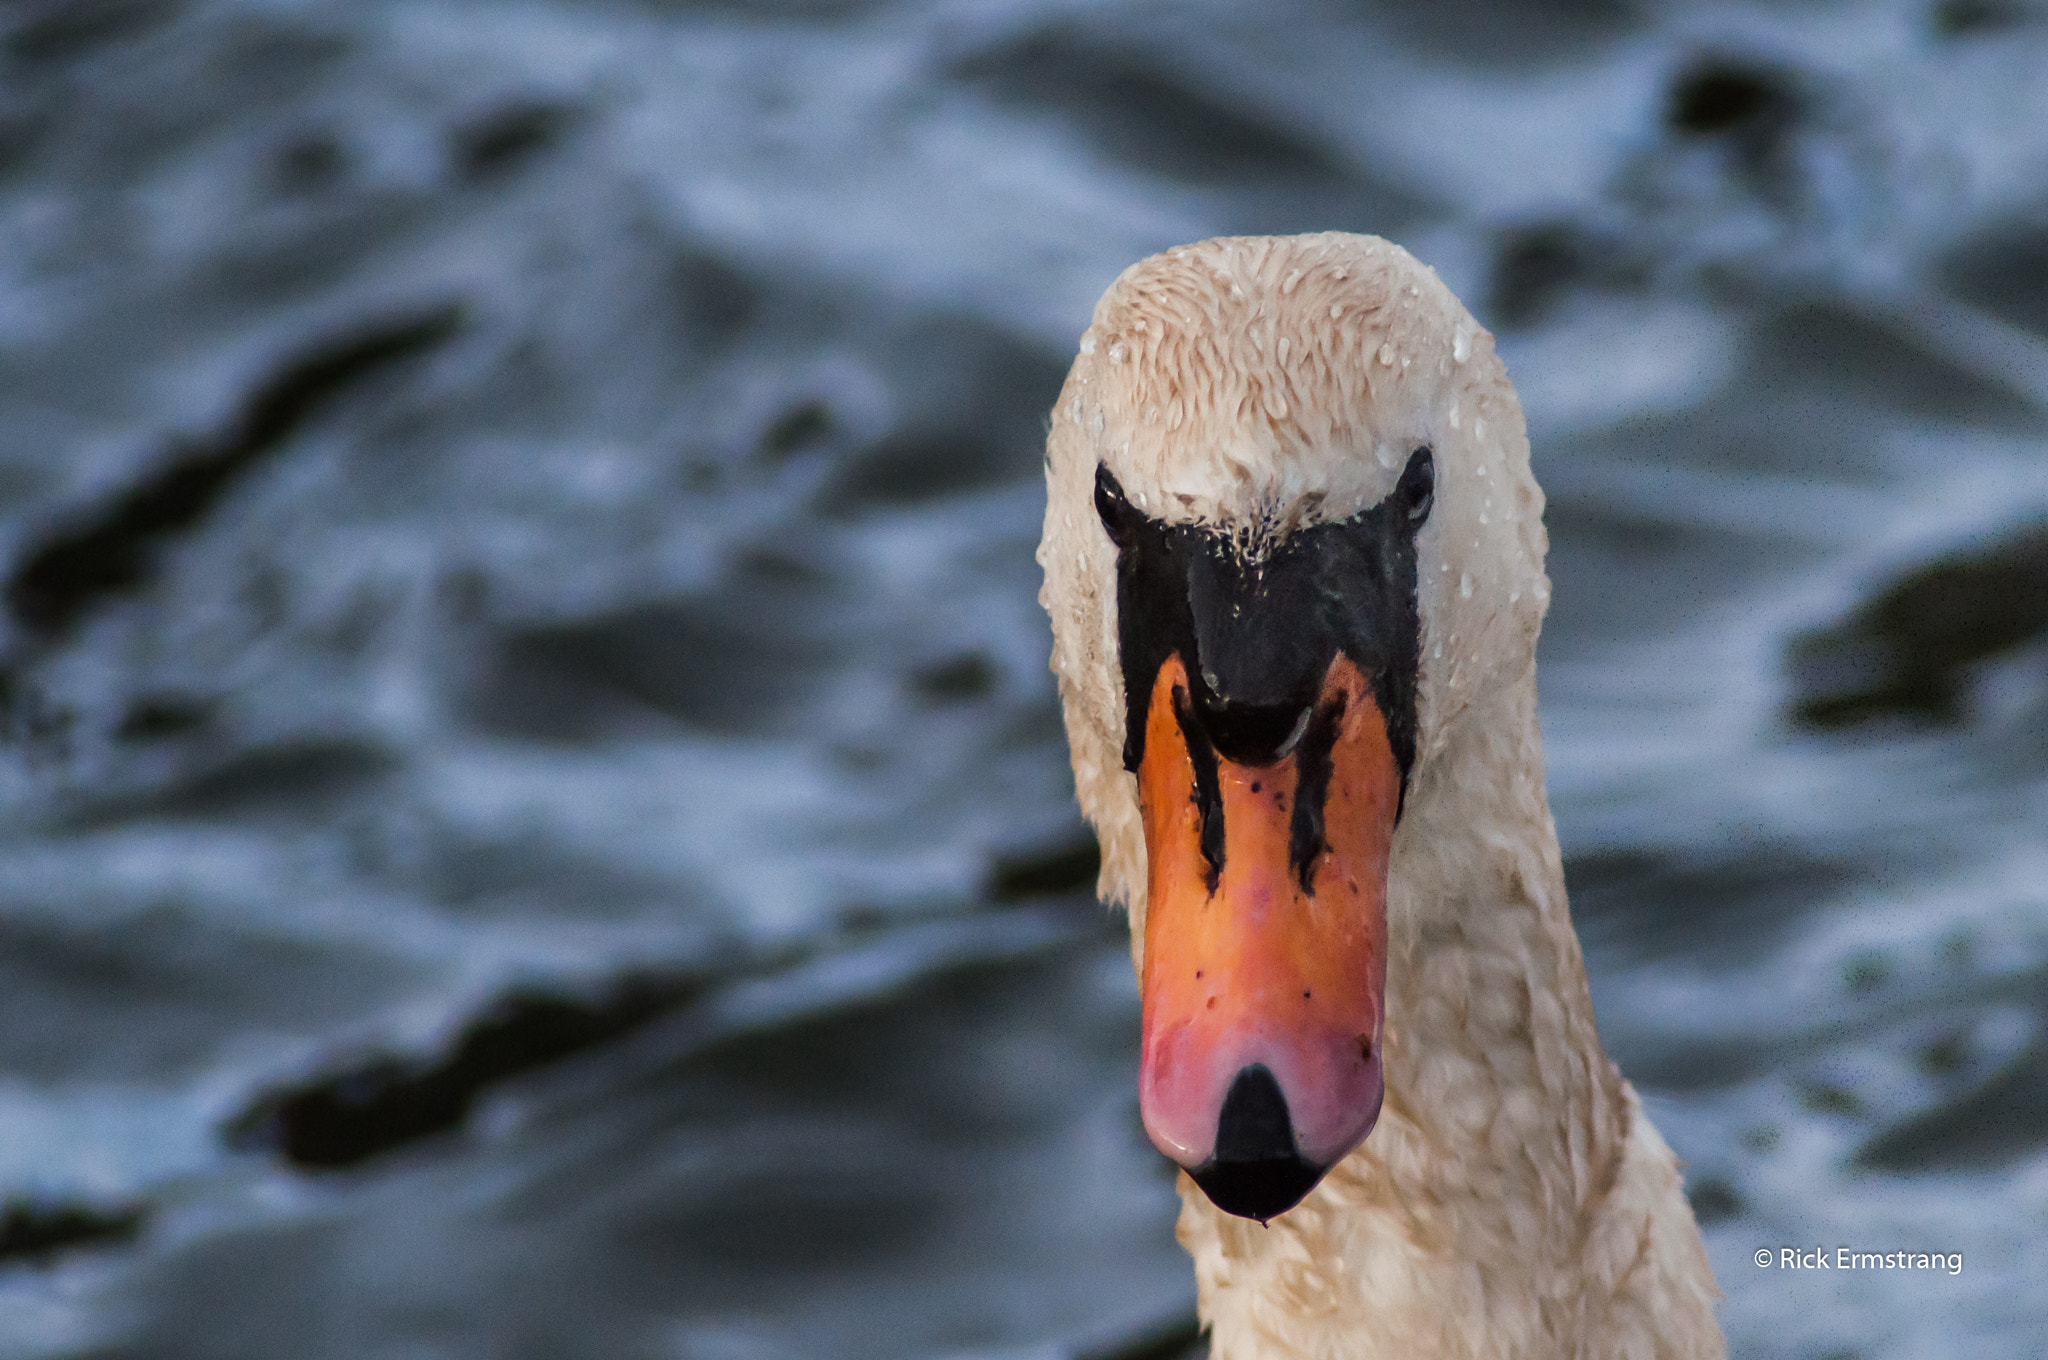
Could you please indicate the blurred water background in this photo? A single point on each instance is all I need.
(535, 822)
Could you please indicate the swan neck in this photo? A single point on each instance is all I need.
(1488, 1010)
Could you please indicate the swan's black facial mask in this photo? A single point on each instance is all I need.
(1258, 636)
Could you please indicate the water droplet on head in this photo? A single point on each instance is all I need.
(1385, 454)
(1088, 343)
(1387, 355)
(1461, 345)
(1464, 585)
(1117, 352)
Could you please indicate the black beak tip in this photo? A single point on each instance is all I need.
(1256, 1171)
(1262, 1190)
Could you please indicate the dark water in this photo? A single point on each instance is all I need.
(535, 819)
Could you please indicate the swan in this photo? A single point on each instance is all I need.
(1293, 559)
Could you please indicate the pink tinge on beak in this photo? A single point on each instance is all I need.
(1329, 1083)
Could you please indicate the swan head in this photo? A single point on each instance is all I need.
(1291, 538)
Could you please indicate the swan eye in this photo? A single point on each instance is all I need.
(1119, 517)
(1417, 488)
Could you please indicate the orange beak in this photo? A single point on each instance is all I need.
(1265, 952)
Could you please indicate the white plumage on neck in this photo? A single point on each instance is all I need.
(1513, 1200)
